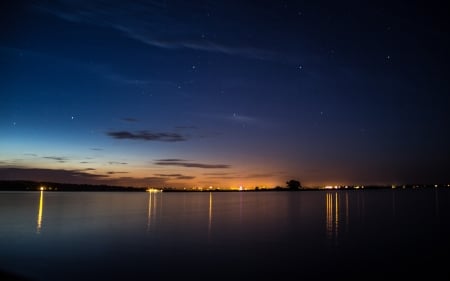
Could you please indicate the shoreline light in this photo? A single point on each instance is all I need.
(154, 190)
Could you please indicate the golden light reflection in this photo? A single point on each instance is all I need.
(152, 203)
(210, 214)
(39, 216)
(333, 218)
(329, 214)
(336, 214)
(346, 212)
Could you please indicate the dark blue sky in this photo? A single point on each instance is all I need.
(224, 93)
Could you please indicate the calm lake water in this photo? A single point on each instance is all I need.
(308, 235)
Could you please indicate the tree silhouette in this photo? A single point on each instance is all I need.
(294, 184)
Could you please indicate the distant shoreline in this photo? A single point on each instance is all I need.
(54, 186)
(18, 185)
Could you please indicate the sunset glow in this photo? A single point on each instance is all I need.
(192, 95)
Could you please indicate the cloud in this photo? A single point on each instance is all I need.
(183, 163)
(168, 175)
(182, 34)
(96, 149)
(216, 174)
(176, 176)
(60, 175)
(185, 177)
(185, 127)
(83, 177)
(56, 158)
(223, 177)
(147, 136)
(117, 163)
(220, 175)
(129, 119)
(111, 74)
(113, 173)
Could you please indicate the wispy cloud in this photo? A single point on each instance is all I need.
(198, 45)
(117, 163)
(168, 175)
(184, 33)
(216, 174)
(176, 176)
(89, 169)
(184, 163)
(147, 136)
(220, 175)
(109, 73)
(186, 127)
(56, 158)
(185, 178)
(260, 175)
(129, 119)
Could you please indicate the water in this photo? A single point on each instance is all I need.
(309, 235)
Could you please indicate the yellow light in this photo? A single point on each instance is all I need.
(42, 188)
(39, 218)
(154, 190)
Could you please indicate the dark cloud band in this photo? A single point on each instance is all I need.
(183, 163)
(147, 136)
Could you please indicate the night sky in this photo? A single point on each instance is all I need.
(224, 93)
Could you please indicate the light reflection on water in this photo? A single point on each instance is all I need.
(40, 210)
(259, 229)
(210, 215)
(337, 214)
(332, 217)
(153, 203)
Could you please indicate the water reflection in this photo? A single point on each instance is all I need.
(393, 204)
(436, 202)
(332, 215)
(334, 204)
(39, 216)
(210, 214)
(346, 212)
(152, 205)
